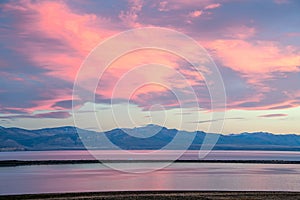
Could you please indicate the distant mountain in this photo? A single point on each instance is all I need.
(42, 139)
(148, 137)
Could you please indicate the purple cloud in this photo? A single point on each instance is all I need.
(273, 115)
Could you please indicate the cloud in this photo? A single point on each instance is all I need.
(256, 56)
(214, 120)
(56, 115)
(241, 32)
(195, 13)
(55, 38)
(203, 11)
(130, 17)
(183, 5)
(167, 99)
(273, 115)
(31, 92)
(66, 104)
(282, 92)
(162, 6)
(212, 6)
(43, 50)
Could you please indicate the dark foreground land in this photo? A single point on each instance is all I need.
(11, 163)
(168, 195)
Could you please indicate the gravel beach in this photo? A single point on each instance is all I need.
(168, 195)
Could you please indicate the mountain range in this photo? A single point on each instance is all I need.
(141, 138)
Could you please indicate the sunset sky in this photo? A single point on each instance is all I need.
(255, 44)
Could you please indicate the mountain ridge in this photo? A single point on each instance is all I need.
(148, 137)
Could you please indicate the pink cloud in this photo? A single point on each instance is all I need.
(257, 56)
(293, 34)
(204, 10)
(195, 13)
(77, 34)
(180, 4)
(124, 73)
(212, 6)
(240, 32)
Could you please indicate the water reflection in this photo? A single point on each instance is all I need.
(178, 176)
(119, 155)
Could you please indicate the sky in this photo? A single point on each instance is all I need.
(254, 44)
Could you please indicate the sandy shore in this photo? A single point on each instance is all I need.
(168, 195)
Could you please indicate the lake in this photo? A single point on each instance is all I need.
(174, 176)
(122, 155)
(178, 176)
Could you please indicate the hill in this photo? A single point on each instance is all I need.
(142, 138)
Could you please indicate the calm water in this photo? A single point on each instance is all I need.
(177, 176)
(111, 155)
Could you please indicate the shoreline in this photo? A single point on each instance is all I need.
(13, 163)
(205, 195)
